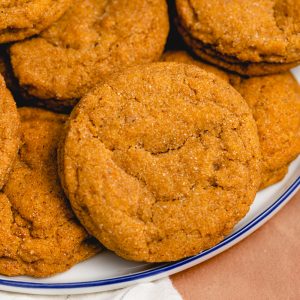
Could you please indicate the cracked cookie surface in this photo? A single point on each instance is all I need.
(160, 161)
(248, 37)
(275, 104)
(20, 19)
(39, 234)
(9, 131)
(94, 38)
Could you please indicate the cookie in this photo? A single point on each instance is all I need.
(184, 57)
(160, 161)
(94, 38)
(23, 18)
(248, 37)
(275, 104)
(9, 131)
(227, 63)
(22, 98)
(39, 235)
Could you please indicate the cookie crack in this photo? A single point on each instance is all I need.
(193, 11)
(18, 255)
(178, 148)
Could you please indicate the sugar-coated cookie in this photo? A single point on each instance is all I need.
(20, 19)
(160, 161)
(248, 37)
(39, 235)
(93, 38)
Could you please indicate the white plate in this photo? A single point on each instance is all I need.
(106, 271)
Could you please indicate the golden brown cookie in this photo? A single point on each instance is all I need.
(275, 103)
(21, 96)
(9, 131)
(94, 38)
(39, 236)
(184, 57)
(161, 161)
(23, 18)
(248, 37)
(228, 63)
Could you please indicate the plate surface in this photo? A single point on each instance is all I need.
(106, 271)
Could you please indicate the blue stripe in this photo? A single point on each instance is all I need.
(167, 267)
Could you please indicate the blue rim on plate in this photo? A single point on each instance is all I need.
(162, 268)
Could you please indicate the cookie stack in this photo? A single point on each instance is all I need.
(163, 153)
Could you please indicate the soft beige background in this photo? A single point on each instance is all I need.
(266, 265)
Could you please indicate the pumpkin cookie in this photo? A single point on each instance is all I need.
(23, 18)
(275, 104)
(161, 161)
(39, 234)
(9, 131)
(248, 37)
(184, 57)
(94, 38)
(22, 98)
